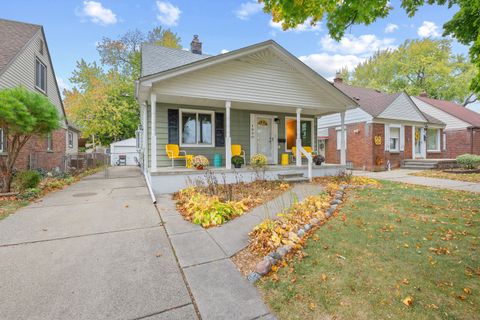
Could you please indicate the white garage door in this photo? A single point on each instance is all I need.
(129, 151)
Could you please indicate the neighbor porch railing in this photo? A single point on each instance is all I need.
(309, 157)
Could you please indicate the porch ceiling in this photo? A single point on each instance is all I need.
(243, 105)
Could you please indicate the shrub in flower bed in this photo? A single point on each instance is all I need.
(26, 180)
(213, 204)
(468, 161)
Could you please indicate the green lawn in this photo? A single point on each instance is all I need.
(387, 244)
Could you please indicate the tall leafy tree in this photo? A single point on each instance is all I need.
(23, 114)
(123, 54)
(340, 15)
(102, 104)
(418, 66)
(102, 100)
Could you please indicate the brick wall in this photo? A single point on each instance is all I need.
(361, 149)
(358, 151)
(460, 142)
(36, 150)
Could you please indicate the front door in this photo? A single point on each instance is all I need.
(264, 137)
(418, 143)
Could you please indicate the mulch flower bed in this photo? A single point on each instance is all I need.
(214, 204)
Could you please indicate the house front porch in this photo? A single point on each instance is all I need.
(168, 179)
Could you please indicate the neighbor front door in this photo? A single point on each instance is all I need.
(419, 151)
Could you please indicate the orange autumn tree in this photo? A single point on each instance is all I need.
(102, 104)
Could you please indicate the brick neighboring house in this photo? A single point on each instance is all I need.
(25, 61)
(462, 131)
(385, 128)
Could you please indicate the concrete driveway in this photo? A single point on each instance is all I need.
(96, 250)
(404, 175)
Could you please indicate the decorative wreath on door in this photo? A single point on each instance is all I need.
(417, 135)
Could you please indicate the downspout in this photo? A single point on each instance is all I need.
(149, 186)
(471, 140)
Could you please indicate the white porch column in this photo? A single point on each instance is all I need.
(153, 132)
(145, 137)
(343, 153)
(298, 156)
(228, 139)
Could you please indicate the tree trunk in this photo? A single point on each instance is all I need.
(6, 181)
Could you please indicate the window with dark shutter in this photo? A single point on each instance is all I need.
(219, 129)
(173, 126)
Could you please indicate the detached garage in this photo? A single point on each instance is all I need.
(124, 152)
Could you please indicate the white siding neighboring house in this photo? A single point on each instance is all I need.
(452, 122)
(73, 134)
(462, 131)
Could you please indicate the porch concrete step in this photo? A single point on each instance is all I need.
(417, 167)
(299, 179)
(292, 177)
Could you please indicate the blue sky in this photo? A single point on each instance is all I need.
(73, 28)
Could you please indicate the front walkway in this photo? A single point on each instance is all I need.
(204, 255)
(96, 250)
(403, 175)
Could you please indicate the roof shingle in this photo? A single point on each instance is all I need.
(156, 58)
(14, 36)
(455, 110)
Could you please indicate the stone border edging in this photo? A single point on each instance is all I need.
(265, 266)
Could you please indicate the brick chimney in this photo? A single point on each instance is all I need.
(423, 94)
(338, 78)
(196, 45)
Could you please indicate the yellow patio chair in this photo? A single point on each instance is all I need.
(308, 149)
(174, 153)
(237, 151)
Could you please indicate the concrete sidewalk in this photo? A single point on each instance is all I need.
(219, 290)
(96, 250)
(403, 175)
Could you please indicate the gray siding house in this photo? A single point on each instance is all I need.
(260, 96)
(25, 61)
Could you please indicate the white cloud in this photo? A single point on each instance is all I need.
(306, 26)
(224, 51)
(428, 29)
(97, 13)
(248, 9)
(365, 44)
(390, 28)
(168, 13)
(327, 65)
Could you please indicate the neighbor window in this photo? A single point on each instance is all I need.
(40, 75)
(394, 139)
(306, 132)
(433, 140)
(339, 139)
(70, 139)
(49, 142)
(2, 148)
(196, 128)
